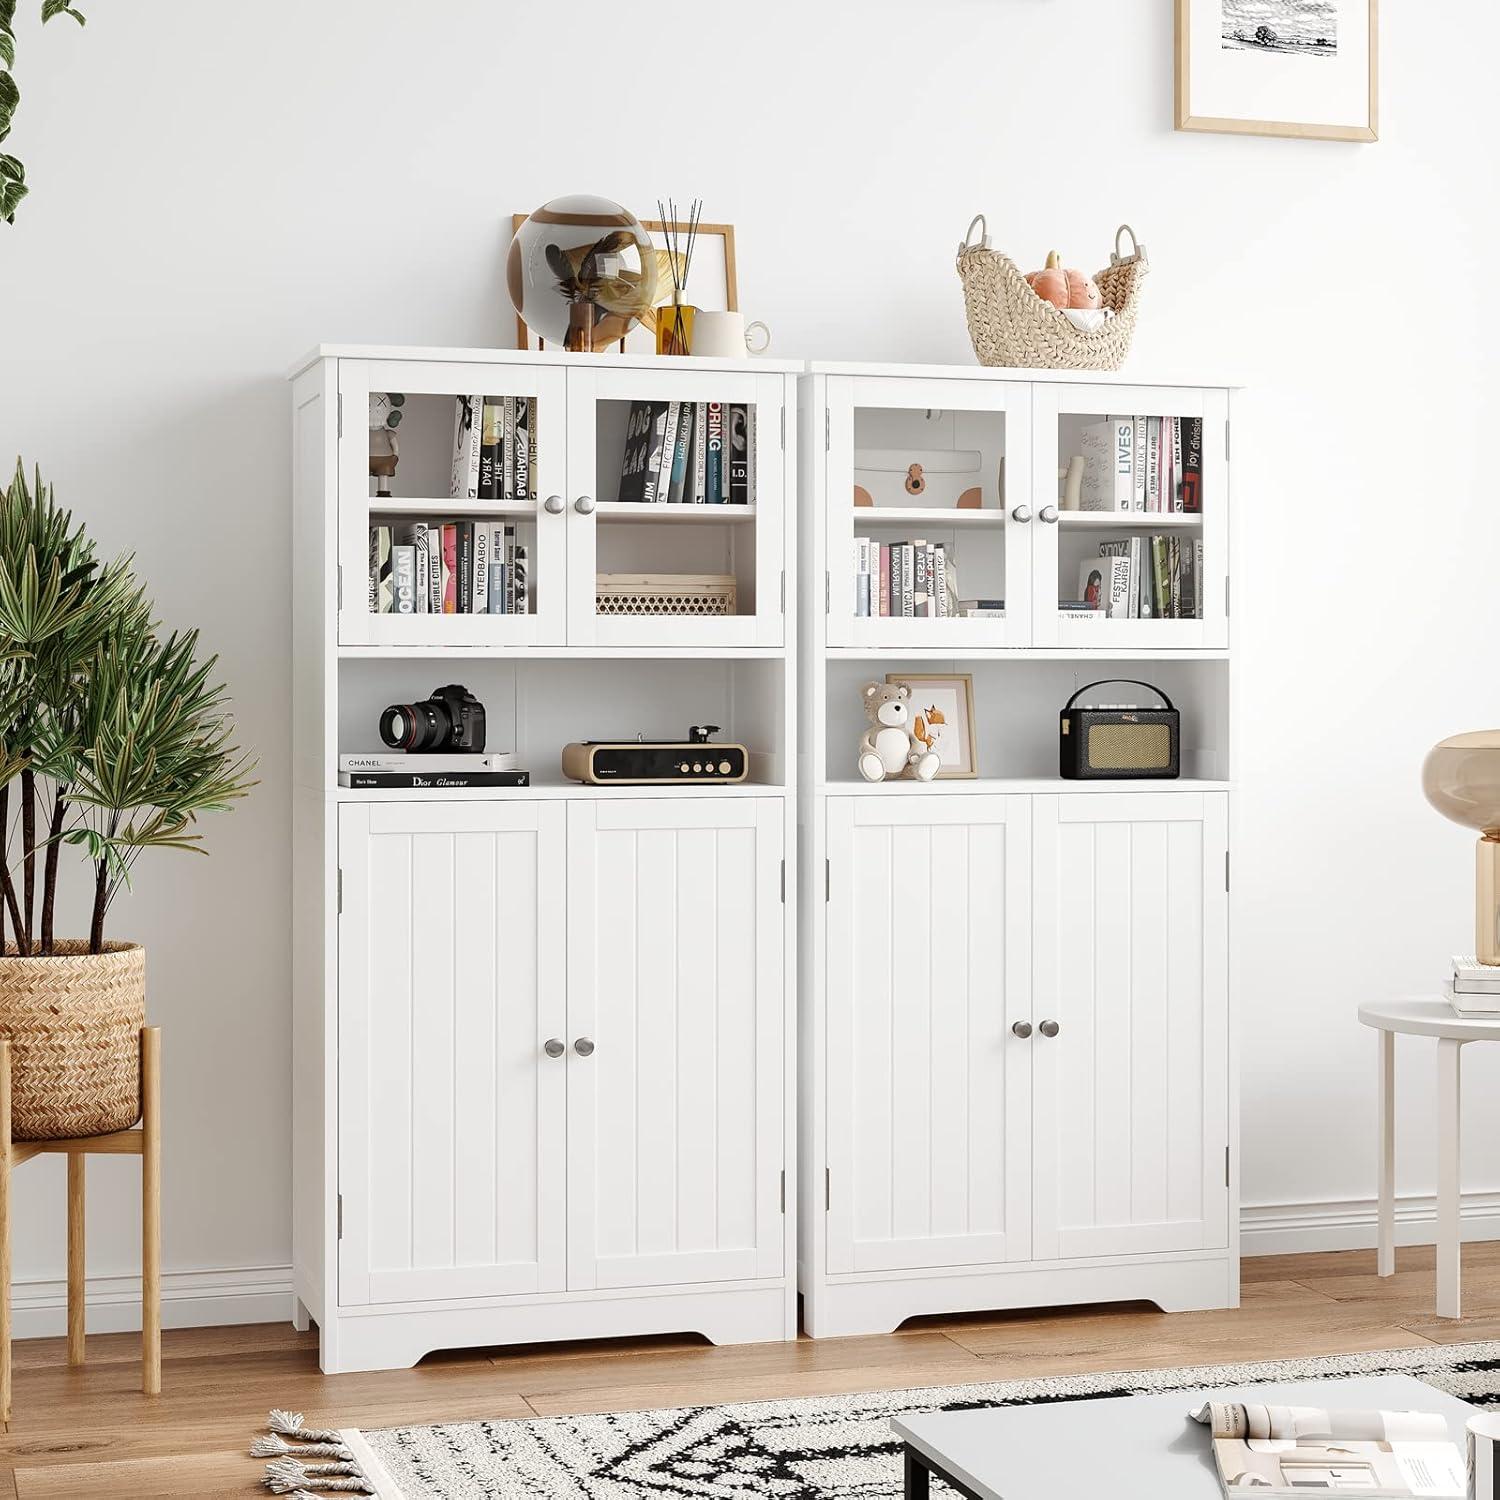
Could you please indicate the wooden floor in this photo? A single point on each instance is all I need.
(89, 1434)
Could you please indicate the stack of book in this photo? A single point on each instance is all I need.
(905, 580)
(1143, 577)
(450, 568)
(494, 448)
(1143, 464)
(689, 453)
(397, 769)
(1474, 989)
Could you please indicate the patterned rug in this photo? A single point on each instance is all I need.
(813, 1448)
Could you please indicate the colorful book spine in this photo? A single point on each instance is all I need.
(525, 464)
(714, 481)
(885, 578)
(700, 453)
(908, 580)
(463, 582)
(739, 453)
(1176, 486)
(496, 602)
(680, 455)
(489, 451)
(1153, 463)
(450, 568)
(434, 570)
(1192, 466)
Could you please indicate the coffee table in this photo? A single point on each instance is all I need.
(1128, 1447)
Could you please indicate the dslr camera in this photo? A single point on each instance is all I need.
(452, 719)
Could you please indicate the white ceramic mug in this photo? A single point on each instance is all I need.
(1484, 1471)
(726, 335)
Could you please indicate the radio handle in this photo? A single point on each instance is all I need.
(1132, 681)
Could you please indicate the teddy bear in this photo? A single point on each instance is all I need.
(888, 748)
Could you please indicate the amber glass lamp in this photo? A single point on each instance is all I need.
(1461, 777)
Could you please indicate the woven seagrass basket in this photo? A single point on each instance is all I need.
(1013, 327)
(73, 1021)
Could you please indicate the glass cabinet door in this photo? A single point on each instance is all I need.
(451, 513)
(676, 507)
(1131, 539)
(929, 501)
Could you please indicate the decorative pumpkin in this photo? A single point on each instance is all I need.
(1064, 288)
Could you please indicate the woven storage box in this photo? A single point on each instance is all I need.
(1013, 327)
(664, 594)
(73, 1021)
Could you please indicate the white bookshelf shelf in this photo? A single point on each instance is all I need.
(1015, 786)
(1113, 520)
(940, 517)
(449, 510)
(675, 515)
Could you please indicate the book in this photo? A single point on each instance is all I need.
(1153, 463)
(1176, 488)
(717, 492)
(921, 595)
(699, 469)
(637, 449)
(388, 761)
(1192, 465)
(1104, 585)
(940, 583)
(908, 580)
(1470, 977)
(1160, 579)
(884, 574)
(403, 580)
(1174, 578)
(970, 611)
(489, 450)
(373, 599)
(680, 454)
(496, 602)
(463, 570)
(414, 535)
(380, 556)
(479, 594)
(468, 421)
(1138, 471)
(1108, 450)
(1198, 578)
(450, 568)
(1130, 551)
(525, 463)
(861, 577)
(432, 780)
(739, 453)
(668, 452)
(750, 455)
(520, 596)
(1479, 1006)
(434, 538)
(1287, 1452)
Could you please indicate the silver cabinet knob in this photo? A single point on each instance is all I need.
(1022, 1029)
(583, 1047)
(1049, 514)
(553, 505)
(584, 504)
(1049, 1028)
(555, 1047)
(1021, 513)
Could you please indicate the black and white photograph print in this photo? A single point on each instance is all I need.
(1295, 28)
(1304, 69)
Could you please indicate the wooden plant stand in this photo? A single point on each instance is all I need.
(145, 1143)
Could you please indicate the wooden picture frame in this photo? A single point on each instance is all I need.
(655, 227)
(1214, 115)
(959, 737)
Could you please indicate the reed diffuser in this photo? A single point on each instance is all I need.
(674, 322)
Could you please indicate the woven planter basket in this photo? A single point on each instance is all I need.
(1013, 327)
(73, 1021)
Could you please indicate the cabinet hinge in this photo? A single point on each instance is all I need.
(783, 428)
(827, 881)
(827, 430)
(341, 414)
(1226, 440)
(1226, 1166)
(783, 591)
(783, 882)
(783, 1190)
(341, 585)
(341, 1216)
(827, 1189)
(1226, 869)
(827, 593)
(341, 893)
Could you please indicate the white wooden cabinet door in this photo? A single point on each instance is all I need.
(676, 976)
(452, 1118)
(1131, 963)
(929, 1089)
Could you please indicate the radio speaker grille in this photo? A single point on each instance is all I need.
(1129, 747)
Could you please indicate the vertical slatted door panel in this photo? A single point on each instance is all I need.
(1131, 962)
(928, 1090)
(451, 1116)
(676, 976)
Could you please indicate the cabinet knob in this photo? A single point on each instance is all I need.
(1049, 1028)
(553, 505)
(1021, 513)
(583, 1047)
(584, 504)
(1049, 514)
(1021, 1028)
(555, 1047)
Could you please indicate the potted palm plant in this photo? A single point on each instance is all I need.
(113, 739)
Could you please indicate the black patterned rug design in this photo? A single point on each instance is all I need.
(812, 1448)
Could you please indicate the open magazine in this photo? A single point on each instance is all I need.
(1273, 1451)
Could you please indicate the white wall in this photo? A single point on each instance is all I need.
(218, 187)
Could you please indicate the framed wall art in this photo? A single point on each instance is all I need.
(942, 715)
(713, 285)
(1300, 68)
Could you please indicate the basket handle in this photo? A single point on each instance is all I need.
(984, 235)
(1137, 250)
(1130, 681)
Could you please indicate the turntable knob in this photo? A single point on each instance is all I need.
(683, 768)
(724, 768)
(697, 766)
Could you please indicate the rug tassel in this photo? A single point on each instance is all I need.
(286, 1476)
(276, 1446)
(289, 1424)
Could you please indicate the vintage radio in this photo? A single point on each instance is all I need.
(1117, 741)
(656, 762)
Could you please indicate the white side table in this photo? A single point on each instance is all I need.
(1435, 1018)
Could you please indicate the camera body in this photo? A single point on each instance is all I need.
(450, 721)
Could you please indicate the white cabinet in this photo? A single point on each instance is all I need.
(561, 1050)
(929, 1091)
(1130, 963)
(1025, 1054)
(675, 978)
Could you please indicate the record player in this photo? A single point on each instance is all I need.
(642, 762)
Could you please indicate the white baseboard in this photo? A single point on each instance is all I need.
(1349, 1223)
(189, 1299)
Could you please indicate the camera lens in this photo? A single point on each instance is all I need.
(415, 726)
